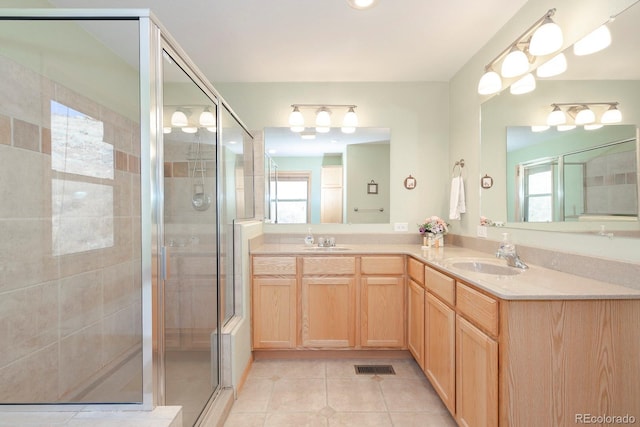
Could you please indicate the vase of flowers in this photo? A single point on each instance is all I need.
(432, 230)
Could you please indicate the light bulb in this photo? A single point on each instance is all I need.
(350, 121)
(546, 39)
(490, 83)
(515, 64)
(553, 67)
(525, 85)
(179, 119)
(323, 120)
(585, 116)
(556, 117)
(361, 4)
(595, 41)
(296, 120)
(207, 119)
(612, 115)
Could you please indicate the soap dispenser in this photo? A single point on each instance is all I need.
(308, 240)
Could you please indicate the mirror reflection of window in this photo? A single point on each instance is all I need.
(538, 193)
(291, 200)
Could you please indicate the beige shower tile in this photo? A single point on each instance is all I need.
(355, 419)
(118, 334)
(357, 394)
(32, 379)
(80, 358)
(26, 135)
(298, 395)
(405, 394)
(118, 291)
(5, 130)
(80, 301)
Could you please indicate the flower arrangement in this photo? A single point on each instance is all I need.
(433, 225)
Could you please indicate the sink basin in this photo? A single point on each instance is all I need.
(327, 248)
(483, 266)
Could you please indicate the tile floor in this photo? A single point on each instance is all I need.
(328, 393)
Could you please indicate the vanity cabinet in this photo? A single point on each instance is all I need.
(328, 303)
(382, 302)
(415, 310)
(274, 302)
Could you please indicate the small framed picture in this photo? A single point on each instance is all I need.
(372, 188)
(410, 183)
(486, 181)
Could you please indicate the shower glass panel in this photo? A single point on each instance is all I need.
(190, 288)
(70, 252)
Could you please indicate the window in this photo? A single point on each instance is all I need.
(290, 197)
(538, 193)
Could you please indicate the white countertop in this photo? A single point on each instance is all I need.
(535, 283)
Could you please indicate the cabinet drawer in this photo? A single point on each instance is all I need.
(388, 265)
(272, 265)
(328, 265)
(416, 270)
(441, 285)
(478, 307)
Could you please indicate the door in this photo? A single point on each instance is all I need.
(189, 319)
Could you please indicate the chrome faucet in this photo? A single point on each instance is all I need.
(507, 251)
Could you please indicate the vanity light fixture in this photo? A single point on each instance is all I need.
(543, 38)
(323, 117)
(595, 41)
(583, 114)
(553, 67)
(525, 85)
(179, 119)
(185, 116)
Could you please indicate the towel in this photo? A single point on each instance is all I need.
(457, 204)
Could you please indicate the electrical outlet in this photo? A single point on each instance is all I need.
(482, 231)
(401, 226)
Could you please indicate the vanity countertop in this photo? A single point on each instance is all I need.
(535, 283)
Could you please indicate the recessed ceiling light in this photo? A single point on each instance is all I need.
(362, 4)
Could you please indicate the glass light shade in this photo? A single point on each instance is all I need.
(166, 129)
(189, 129)
(515, 64)
(361, 4)
(179, 119)
(556, 117)
(595, 41)
(612, 115)
(546, 39)
(308, 135)
(323, 120)
(564, 128)
(553, 67)
(585, 116)
(207, 119)
(350, 121)
(525, 85)
(539, 128)
(212, 129)
(593, 126)
(296, 120)
(490, 83)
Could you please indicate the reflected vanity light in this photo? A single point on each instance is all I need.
(323, 117)
(179, 119)
(564, 128)
(185, 116)
(583, 113)
(543, 38)
(525, 85)
(539, 128)
(593, 126)
(555, 66)
(362, 4)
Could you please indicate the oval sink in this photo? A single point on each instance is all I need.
(484, 266)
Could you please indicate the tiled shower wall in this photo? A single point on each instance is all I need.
(66, 318)
(610, 184)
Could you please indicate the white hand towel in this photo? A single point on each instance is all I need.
(457, 204)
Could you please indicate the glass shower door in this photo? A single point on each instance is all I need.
(189, 294)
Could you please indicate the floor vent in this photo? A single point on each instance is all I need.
(374, 370)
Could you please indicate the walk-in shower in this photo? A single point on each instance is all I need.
(116, 262)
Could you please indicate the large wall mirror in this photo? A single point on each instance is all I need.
(327, 177)
(587, 179)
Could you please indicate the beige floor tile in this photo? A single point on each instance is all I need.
(236, 419)
(360, 419)
(300, 419)
(254, 396)
(355, 394)
(298, 395)
(288, 369)
(406, 394)
(421, 419)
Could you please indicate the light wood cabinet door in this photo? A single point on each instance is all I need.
(439, 348)
(382, 311)
(328, 312)
(274, 312)
(476, 376)
(415, 321)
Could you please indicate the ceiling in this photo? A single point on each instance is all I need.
(323, 40)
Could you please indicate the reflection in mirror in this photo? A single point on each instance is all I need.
(574, 175)
(612, 74)
(323, 178)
